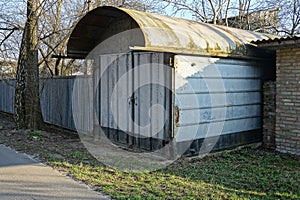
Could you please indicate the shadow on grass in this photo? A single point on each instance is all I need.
(254, 172)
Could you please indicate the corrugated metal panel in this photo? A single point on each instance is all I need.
(278, 43)
(80, 104)
(151, 77)
(160, 33)
(7, 95)
(212, 93)
(128, 96)
(56, 101)
(168, 34)
(278, 40)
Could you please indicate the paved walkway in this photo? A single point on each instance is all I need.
(23, 178)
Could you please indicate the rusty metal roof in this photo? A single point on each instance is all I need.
(279, 43)
(161, 33)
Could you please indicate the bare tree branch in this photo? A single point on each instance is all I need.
(6, 37)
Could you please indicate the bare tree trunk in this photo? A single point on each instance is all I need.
(20, 88)
(27, 100)
(214, 10)
(226, 12)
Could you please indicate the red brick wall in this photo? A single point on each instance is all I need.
(288, 100)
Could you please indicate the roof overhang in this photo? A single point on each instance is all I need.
(162, 34)
(279, 43)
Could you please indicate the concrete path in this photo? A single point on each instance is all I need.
(23, 178)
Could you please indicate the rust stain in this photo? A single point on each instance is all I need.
(170, 34)
(176, 112)
(192, 44)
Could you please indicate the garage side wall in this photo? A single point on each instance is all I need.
(288, 101)
(217, 98)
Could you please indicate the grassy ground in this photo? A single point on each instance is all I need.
(243, 174)
(249, 173)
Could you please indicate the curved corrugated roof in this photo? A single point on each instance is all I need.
(160, 33)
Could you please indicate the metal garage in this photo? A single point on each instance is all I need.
(161, 81)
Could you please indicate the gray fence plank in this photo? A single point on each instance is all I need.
(56, 99)
(7, 95)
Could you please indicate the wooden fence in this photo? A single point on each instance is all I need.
(56, 100)
(7, 95)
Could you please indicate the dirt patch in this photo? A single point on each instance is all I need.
(66, 146)
(45, 146)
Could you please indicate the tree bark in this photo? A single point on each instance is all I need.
(27, 98)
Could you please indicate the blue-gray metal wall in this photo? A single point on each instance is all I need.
(214, 97)
(218, 97)
(140, 81)
(7, 95)
(56, 99)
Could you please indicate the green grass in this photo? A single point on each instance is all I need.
(244, 174)
(35, 134)
(79, 155)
